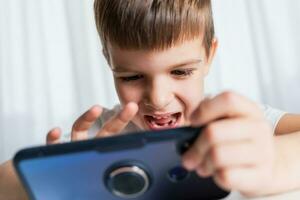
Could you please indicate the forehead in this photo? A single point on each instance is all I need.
(184, 52)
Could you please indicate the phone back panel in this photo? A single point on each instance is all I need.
(77, 170)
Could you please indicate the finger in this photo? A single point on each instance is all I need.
(120, 121)
(231, 145)
(247, 179)
(201, 171)
(195, 154)
(225, 105)
(84, 122)
(232, 130)
(53, 136)
(243, 154)
(217, 133)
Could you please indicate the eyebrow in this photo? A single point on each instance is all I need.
(185, 63)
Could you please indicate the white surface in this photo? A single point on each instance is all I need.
(51, 67)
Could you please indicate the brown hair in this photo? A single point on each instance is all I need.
(153, 24)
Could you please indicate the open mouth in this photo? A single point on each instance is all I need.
(159, 122)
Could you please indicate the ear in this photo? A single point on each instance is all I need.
(211, 56)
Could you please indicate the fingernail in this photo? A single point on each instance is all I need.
(189, 163)
(56, 129)
(133, 105)
(203, 172)
(96, 107)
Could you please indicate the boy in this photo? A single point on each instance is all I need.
(160, 51)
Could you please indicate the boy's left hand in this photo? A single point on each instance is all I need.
(236, 146)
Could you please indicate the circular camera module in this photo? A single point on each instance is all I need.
(177, 174)
(127, 181)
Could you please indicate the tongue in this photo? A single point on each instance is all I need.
(163, 121)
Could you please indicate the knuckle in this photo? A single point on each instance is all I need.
(198, 113)
(230, 97)
(204, 105)
(201, 106)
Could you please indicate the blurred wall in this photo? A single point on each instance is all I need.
(52, 69)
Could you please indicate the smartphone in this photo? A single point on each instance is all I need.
(143, 166)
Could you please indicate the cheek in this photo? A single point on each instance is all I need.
(128, 93)
(191, 94)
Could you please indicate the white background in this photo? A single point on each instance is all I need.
(52, 70)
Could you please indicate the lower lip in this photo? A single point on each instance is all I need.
(156, 127)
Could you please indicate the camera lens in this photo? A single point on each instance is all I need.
(177, 174)
(128, 182)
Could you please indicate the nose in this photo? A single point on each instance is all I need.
(158, 94)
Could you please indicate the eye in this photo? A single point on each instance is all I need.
(131, 78)
(182, 72)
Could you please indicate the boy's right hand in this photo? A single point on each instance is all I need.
(81, 126)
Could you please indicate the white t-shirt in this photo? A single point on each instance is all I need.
(271, 114)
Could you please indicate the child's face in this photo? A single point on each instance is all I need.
(167, 85)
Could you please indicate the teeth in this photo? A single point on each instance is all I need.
(159, 126)
(158, 117)
(162, 122)
(171, 122)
